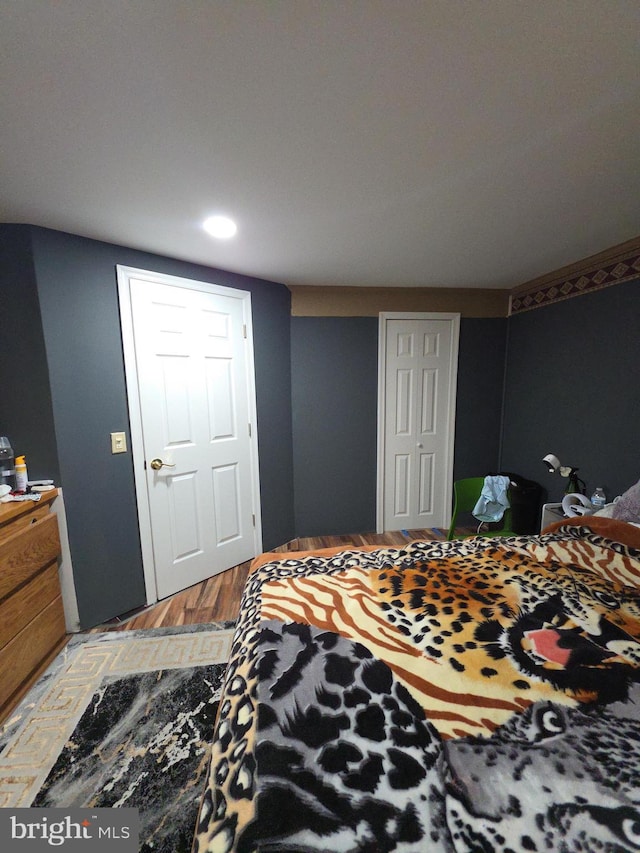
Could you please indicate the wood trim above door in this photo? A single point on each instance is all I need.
(317, 301)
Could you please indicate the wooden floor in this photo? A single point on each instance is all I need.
(217, 599)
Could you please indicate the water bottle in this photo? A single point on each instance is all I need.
(7, 470)
(598, 499)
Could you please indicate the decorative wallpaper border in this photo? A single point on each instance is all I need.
(621, 263)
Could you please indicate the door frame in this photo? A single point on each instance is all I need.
(454, 319)
(124, 276)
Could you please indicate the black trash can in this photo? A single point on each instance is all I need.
(526, 498)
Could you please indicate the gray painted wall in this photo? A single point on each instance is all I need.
(81, 352)
(26, 412)
(572, 389)
(334, 404)
(335, 390)
(479, 403)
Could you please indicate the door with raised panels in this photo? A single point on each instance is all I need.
(194, 385)
(418, 370)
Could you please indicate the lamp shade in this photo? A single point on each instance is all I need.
(552, 462)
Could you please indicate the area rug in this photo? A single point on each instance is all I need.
(121, 719)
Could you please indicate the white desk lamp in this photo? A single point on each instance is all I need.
(575, 484)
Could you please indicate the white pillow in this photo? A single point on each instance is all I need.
(606, 511)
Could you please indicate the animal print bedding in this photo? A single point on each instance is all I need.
(473, 695)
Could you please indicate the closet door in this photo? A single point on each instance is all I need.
(417, 388)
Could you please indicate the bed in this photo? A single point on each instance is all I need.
(473, 695)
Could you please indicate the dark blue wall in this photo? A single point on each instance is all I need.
(479, 400)
(569, 379)
(26, 413)
(334, 403)
(335, 390)
(572, 389)
(77, 293)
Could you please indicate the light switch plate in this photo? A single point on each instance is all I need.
(118, 442)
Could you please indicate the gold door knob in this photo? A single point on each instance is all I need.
(157, 464)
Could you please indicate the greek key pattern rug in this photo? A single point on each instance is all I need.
(121, 719)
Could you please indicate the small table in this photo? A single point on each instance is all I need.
(551, 513)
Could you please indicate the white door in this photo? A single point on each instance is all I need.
(190, 379)
(417, 393)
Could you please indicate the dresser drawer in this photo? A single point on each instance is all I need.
(27, 602)
(28, 517)
(26, 551)
(38, 640)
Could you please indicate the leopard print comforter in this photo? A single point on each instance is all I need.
(473, 695)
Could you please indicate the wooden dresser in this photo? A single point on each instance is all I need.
(32, 624)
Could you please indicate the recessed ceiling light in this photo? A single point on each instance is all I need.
(220, 227)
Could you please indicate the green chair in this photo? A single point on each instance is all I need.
(466, 494)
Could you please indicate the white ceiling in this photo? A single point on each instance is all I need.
(453, 143)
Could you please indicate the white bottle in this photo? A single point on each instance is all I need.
(22, 478)
(598, 499)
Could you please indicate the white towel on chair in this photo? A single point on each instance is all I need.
(493, 498)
